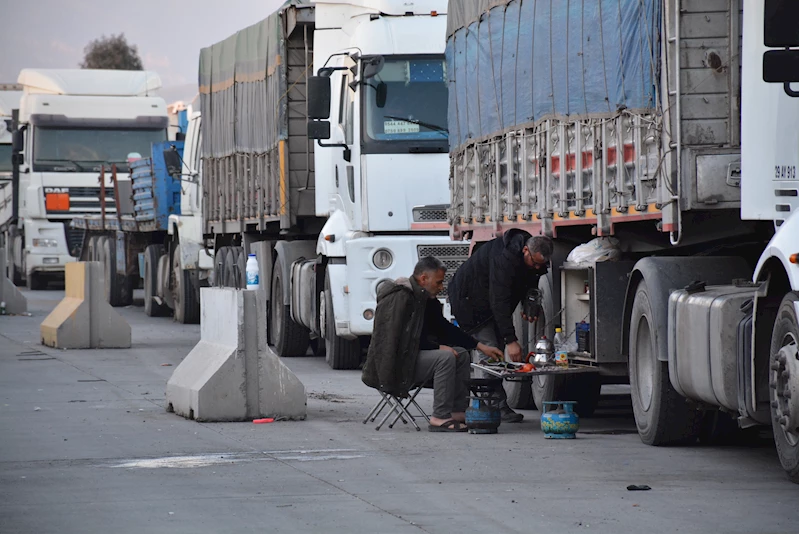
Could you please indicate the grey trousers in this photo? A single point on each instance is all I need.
(450, 375)
(487, 335)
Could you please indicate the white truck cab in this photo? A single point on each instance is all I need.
(74, 125)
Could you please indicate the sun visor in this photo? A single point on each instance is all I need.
(143, 122)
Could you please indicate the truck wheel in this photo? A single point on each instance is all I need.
(784, 385)
(219, 266)
(520, 394)
(151, 256)
(91, 249)
(185, 292)
(340, 353)
(662, 416)
(545, 388)
(235, 268)
(118, 292)
(288, 337)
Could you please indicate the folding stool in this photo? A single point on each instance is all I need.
(398, 408)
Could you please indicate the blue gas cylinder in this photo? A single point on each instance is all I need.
(559, 421)
(482, 413)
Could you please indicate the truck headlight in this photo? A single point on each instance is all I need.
(383, 259)
(44, 242)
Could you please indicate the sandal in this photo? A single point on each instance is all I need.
(448, 426)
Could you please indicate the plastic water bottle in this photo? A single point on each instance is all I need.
(561, 351)
(252, 272)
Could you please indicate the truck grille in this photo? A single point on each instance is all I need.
(437, 214)
(86, 200)
(453, 256)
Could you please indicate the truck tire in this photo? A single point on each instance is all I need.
(545, 388)
(288, 337)
(151, 256)
(118, 287)
(185, 292)
(520, 394)
(219, 266)
(340, 353)
(235, 268)
(784, 385)
(662, 416)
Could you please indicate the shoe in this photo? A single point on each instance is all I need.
(509, 416)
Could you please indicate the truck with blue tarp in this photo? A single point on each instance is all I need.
(133, 241)
(656, 142)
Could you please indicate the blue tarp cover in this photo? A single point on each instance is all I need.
(520, 61)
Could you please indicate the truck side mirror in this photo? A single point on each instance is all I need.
(172, 162)
(319, 97)
(318, 130)
(381, 94)
(779, 24)
(781, 66)
(17, 141)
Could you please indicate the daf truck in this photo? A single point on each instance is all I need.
(72, 126)
(667, 130)
(324, 152)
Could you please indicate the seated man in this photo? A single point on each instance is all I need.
(412, 342)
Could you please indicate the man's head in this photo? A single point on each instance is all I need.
(537, 252)
(429, 274)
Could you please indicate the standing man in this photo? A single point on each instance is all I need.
(412, 342)
(487, 288)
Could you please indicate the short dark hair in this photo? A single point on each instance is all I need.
(541, 244)
(428, 264)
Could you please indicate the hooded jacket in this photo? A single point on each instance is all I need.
(492, 283)
(407, 320)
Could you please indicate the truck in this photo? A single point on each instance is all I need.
(666, 130)
(9, 100)
(132, 239)
(70, 128)
(324, 152)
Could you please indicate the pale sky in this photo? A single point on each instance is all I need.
(168, 33)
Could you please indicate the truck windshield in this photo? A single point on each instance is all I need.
(85, 150)
(5, 158)
(414, 116)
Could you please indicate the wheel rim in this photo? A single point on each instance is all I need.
(644, 362)
(786, 401)
(176, 297)
(277, 312)
(538, 329)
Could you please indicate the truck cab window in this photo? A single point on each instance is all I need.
(346, 109)
(84, 149)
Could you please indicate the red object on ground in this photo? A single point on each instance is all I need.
(263, 421)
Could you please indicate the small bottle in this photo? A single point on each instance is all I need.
(252, 272)
(561, 352)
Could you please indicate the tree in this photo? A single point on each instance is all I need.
(111, 53)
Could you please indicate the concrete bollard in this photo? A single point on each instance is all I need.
(231, 374)
(83, 319)
(16, 303)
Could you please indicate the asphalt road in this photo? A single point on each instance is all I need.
(87, 446)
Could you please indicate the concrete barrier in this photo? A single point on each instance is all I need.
(16, 303)
(84, 319)
(231, 374)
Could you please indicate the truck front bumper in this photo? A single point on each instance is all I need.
(355, 284)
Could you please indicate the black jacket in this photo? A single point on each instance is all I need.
(407, 320)
(492, 283)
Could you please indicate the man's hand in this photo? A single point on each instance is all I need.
(529, 318)
(492, 352)
(444, 347)
(514, 351)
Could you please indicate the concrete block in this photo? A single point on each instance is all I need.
(16, 303)
(230, 375)
(84, 319)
